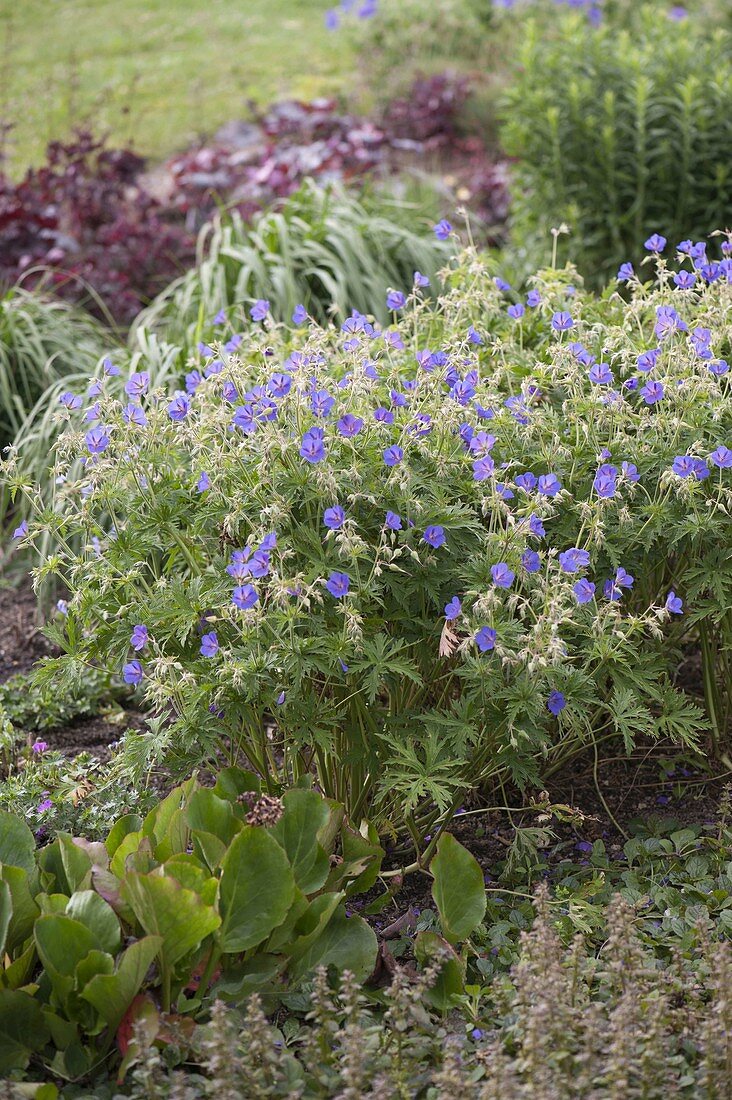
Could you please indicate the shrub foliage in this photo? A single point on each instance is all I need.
(619, 132)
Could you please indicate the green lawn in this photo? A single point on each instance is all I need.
(156, 72)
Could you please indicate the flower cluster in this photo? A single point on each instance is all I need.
(436, 550)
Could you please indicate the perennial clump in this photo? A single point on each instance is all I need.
(412, 558)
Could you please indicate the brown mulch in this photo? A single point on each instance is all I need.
(22, 643)
(21, 640)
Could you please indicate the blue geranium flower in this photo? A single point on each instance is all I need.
(485, 639)
(338, 585)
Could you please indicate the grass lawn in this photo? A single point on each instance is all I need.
(155, 72)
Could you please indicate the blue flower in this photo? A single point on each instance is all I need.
(483, 468)
(383, 416)
(71, 401)
(434, 536)
(393, 521)
(501, 284)
(139, 637)
(259, 310)
(652, 392)
(718, 368)
(395, 300)
(630, 470)
(533, 299)
(299, 315)
(349, 425)
(110, 369)
(556, 702)
(420, 279)
(204, 482)
(722, 457)
(527, 481)
(259, 563)
(132, 673)
(674, 604)
(442, 230)
(531, 561)
(562, 321)
(452, 609)
(338, 585)
(584, 590)
(321, 403)
(209, 644)
(536, 527)
(648, 359)
(684, 280)
(334, 517)
(655, 243)
(21, 530)
(574, 559)
(485, 639)
(393, 455)
(180, 406)
(134, 414)
(516, 312)
(625, 273)
(332, 20)
(502, 576)
(97, 439)
(604, 483)
(600, 374)
(549, 485)
(312, 448)
(474, 337)
(137, 384)
(244, 596)
(280, 384)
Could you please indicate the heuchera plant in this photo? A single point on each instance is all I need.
(414, 559)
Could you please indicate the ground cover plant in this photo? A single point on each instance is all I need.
(415, 559)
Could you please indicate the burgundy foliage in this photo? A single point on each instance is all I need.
(83, 221)
(87, 217)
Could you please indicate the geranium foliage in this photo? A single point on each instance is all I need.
(415, 558)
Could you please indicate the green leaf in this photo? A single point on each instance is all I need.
(67, 867)
(166, 909)
(458, 889)
(305, 814)
(428, 947)
(23, 1030)
(62, 943)
(17, 843)
(91, 910)
(210, 814)
(310, 925)
(112, 994)
(123, 826)
(6, 914)
(347, 943)
(256, 890)
(25, 909)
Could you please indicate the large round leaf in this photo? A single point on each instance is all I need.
(256, 891)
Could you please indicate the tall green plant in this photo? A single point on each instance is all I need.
(621, 134)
